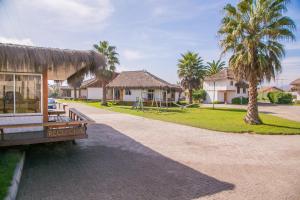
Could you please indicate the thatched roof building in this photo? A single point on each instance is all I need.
(60, 63)
(140, 80)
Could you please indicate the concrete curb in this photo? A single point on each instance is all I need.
(13, 189)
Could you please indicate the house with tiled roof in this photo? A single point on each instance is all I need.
(223, 87)
(130, 85)
(296, 89)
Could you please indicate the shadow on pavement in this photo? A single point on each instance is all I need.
(110, 165)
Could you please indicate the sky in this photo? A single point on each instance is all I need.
(149, 34)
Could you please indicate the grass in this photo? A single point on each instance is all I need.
(8, 162)
(219, 119)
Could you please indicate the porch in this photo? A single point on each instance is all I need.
(59, 128)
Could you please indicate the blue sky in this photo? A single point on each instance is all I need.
(149, 34)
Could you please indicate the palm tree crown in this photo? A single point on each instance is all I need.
(252, 32)
(214, 67)
(191, 71)
(111, 61)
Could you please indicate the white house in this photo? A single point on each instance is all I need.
(128, 86)
(223, 87)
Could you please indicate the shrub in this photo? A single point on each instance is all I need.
(240, 100)
(216, 102)
(199, 95)
(280, 97)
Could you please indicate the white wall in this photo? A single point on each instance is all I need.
(21, 120)
(94, 93)
(72, 93)
(137, 93)
(83, 93)
(220, 87)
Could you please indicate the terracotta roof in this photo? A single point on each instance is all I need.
(226, 73)
(139, 79)
(295, 82)
(269, 89)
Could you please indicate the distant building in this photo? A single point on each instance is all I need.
(130, 85)
(226, 87)
(296, 89)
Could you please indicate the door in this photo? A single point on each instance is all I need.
(225, 97)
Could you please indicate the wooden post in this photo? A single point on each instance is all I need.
(45, 96)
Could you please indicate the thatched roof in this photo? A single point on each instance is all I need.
(226, 73)
(140, 80)
(296, 82)
(60, 63)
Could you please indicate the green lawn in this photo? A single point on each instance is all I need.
(8, 162)
(219, 119)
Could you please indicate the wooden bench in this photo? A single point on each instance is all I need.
(64, 129)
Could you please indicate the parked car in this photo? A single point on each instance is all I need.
(51, 103)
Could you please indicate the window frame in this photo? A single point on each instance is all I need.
(244, 90)
(127, 92)
(24, 114)
(238, 90)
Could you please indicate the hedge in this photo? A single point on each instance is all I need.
(239, 100)
(280, 97)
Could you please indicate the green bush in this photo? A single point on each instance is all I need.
(239, 100)
(199, 95)
(217, 102)
(280, 97)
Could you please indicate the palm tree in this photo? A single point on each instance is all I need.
(191, 71)
(111, 60)
(252, 31)
(213, 68)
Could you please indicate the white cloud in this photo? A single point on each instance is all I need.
(24, 41)
(71, 15)
(132, 54)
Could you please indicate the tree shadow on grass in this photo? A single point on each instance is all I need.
(110, 165)
(281, 126)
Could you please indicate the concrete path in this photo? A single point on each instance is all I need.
(284, 111)
(129, 157)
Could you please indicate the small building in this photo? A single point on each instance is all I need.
(91, 89)
(222, 87)
(296, 89)
(24, 75)
(263, 92)
(128, 86)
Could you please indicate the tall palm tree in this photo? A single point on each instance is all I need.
(191, 71)
(111, 61)
(213, 68)
(252, 31)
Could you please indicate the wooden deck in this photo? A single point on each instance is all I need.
(59, 128)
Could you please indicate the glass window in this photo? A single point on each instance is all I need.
(150, 94)
(244, 90)
(28, 93)
(231, 83)
(127, 92)
(6, 93)
(238, 90)
(20, 93)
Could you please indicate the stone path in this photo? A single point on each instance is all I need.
(129, 157)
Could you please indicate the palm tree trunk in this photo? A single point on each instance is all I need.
(190, 96)
(104, 101)
(252, 110)
(75, 93)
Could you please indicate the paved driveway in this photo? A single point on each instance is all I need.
(129, 157)
(284, 111)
